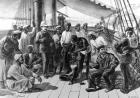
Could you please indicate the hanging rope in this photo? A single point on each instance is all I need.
(128, 13)
(29, 12)
(120, 14)
(123, 13)
(122, 25)
(27, 9)
(132, 13)
(26, 13)
(23, 12)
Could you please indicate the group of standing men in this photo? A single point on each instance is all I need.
(70, 49)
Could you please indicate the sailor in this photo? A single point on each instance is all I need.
(83, 48)
(125, 51)
(105, 66)
(8, 48)
(84, 31)
(58, 56)
(65, 43)
(45, 46)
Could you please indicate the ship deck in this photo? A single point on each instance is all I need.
(56, 88)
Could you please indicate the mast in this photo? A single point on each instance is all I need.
(37, 13)
(54, 9)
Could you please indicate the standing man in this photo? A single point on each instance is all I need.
(23, 42)
(82, 47)
(132, 37)
(78, 31)
(26, 37)
(58, 56)
(65, 43)
(93, 43)
(84, 31)
(125, 50)
(9, 45)
(46, 47)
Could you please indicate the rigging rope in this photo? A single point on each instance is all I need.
(24, 14)
(120, 14)
(122, 25)
(123, 13)
(128, 13)
(132, 13)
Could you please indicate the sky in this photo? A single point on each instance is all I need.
(7, 6)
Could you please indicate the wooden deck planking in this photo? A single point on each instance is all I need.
(75, 91)
(83, 93)
(9, 96)
(56, 93)
(27, 95)
(138, 92)
(133, 94)
(103, 94)
(65, 91)
(93, 94)
(113, 94)
(75, 87)
(121, 95)
(74, 95)
(53, 82)
(36, 94)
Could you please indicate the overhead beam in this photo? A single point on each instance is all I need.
(61, 2)
(15, 18)
(62, 14)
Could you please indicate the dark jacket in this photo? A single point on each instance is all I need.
(33, 60)
(45, 42)
(106, 61)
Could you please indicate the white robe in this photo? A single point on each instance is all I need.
(6, 62)
(21, 75)
(25, 40)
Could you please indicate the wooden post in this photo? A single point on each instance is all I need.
(54, 12)
(38, 13)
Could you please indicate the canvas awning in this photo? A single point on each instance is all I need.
(88, 7)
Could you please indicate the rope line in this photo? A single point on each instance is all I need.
(128, 13)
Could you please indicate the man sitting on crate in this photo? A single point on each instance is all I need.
(105, 66)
